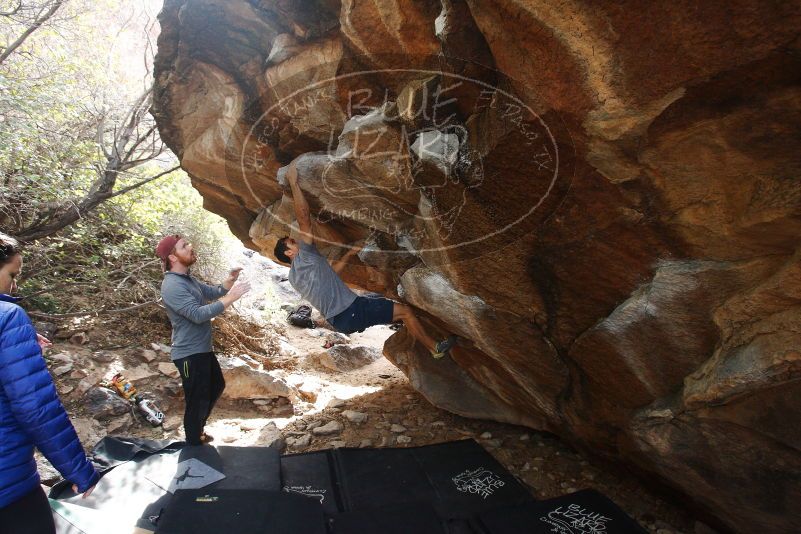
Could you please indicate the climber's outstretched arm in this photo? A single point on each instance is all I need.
(339, 264)
(302, 213)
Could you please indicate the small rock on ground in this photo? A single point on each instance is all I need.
(62, 369)
(168, 369)
(148, 355)
(104, 404)
(270, 436)
(298, 442)
(330, 428)
(335, 403)
(355, 417)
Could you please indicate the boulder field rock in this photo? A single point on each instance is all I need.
(342, 358)
(244, 382)
(270, 436)
(602, 199)
(104, 404)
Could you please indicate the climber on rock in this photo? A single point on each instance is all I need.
(319, 283)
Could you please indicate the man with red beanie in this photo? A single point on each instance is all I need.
(191, 305)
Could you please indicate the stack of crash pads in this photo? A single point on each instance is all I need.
(448, 488)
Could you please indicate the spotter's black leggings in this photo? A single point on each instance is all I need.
(203, 384)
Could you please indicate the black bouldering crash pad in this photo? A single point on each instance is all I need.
(137, 491)
(200, 511)
(448, 488)
(312, 475)
(414, 518)
(459, 479)
(114, 450)
(583, 512)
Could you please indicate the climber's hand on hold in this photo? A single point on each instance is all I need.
(292, 174)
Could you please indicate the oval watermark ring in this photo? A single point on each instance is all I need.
(552, 150)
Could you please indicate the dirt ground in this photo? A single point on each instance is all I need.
(380, 391)
(394, 415)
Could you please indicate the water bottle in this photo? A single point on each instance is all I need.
(151, 412)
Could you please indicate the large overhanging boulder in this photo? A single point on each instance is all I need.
(603, 199)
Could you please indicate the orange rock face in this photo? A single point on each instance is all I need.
(602, 199)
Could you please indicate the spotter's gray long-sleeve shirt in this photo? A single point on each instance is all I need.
(187, 302)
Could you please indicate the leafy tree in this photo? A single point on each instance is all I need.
(84, 177)
(30, 16)
(105, 262)
(76, 131)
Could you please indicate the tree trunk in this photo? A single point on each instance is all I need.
(69, 214)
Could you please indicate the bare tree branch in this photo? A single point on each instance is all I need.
(101, 125)
(91, 312)
(132, 271)
(136, 162)
(58, 287)
(139, 141)
(70, 212)
(143, 182)
(13, 11)
(41, 19)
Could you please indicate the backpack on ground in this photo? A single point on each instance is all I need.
(301, 317)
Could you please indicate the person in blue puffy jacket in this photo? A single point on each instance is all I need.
(31, 415)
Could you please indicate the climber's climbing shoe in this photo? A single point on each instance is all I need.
(442, 347)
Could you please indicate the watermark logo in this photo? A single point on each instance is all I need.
(439, 161)
(308, 491)
(574, 519)
(480, 481)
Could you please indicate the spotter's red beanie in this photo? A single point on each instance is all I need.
(165, 247)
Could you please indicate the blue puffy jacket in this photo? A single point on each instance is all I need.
(31, 413)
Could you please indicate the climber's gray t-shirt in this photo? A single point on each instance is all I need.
(312, 277)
